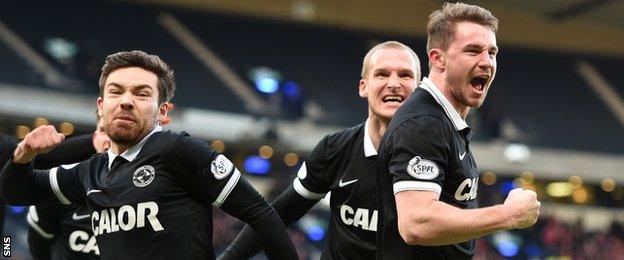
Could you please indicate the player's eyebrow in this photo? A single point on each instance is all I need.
(140, 86)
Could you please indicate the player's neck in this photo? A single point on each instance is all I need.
(376, 129)
(441, 83)
(119, 148)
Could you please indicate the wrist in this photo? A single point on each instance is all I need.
(509, 216)
(20, 156)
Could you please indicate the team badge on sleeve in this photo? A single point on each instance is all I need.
(143, 176)
(422, 169)
(221, 167)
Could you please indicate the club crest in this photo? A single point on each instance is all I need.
(143, 176)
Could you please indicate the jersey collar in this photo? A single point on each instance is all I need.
(369, 148)
(132, 153)
(450, 111)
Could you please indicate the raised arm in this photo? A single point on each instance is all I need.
(424, 220)
(431, 209)
(18, 181)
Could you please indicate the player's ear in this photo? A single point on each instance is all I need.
(437, 59)
(363, 88)
(167, 120)
(99, 103)
(162, 112)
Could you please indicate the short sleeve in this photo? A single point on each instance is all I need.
(66, 183)
(209, 176)
(419, 155)
(314, 177)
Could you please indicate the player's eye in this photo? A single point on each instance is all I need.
(382, 74)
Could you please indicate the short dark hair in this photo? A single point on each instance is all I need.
(441, 25)
(152, 63)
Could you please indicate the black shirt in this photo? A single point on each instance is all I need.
(70, 228)
(426, 148)
(344, 164)
(154, 200)
(62, 231)
(7, 146)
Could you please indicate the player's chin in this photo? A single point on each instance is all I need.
(475, 102)
(123, 136)
(386, 114)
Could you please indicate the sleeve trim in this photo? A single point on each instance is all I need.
(229, 186)
(416, 185)
(55, 187)
(305, 192)
(32, 221)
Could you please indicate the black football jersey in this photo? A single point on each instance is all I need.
(7, 146)
(344, 164)
(69, 226)
(154, 200)
(426, 148)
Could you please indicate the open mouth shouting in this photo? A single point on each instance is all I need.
(393, 99)
(479, 82)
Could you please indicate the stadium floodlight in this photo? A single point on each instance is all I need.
(315, 233)
(61, 49)
(266, 80)
(257, 165)
(507, 243)
(291, 89)
(517, 153)
(17, 209)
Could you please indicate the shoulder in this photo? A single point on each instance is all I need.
(343, 138)
(421, 124)
(185, 145)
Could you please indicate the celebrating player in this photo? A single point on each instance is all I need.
(428, 176)
(150, 194)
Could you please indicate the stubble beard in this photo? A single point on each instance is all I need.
(126, 134)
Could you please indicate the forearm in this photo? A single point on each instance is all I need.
(442, 224)
(13, 179)
(40, 247)
(289, 205)
(18, 185)
(73, 150)
(250, 207)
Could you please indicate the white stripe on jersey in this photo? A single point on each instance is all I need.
(417, 185)
(229, 186)
(32, 213)
(55, 187)
(305, 192)
(32, 219)
(69, 166)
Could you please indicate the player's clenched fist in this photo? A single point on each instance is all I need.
(41, 140)
(523, 207)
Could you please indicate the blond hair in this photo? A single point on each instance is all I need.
(389, 45)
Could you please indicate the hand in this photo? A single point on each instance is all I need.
(523, 207)
(41, 140)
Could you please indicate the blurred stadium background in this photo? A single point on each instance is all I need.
(264, 80)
